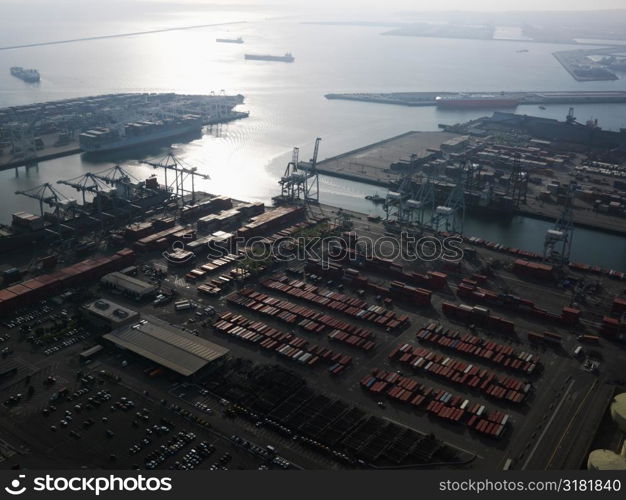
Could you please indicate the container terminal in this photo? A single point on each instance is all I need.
(38, 132)
(179, 333)
(513, 164)
(486, 100)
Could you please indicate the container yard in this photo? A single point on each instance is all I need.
(514, 165)
(334, 360)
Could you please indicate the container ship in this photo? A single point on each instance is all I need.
(27, 75)
(138, 133)
(475, 101)
(287, 57)
(229, 40)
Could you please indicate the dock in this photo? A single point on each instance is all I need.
(598, 205)
(536, 97)
(44, 131)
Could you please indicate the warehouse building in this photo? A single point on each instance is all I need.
(167, 345)
(129, 285)
(110, 315)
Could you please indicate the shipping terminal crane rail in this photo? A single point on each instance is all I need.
(171, 163)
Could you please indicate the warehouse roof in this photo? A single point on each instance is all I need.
(167, 345)
(111, 311)
(129, 283)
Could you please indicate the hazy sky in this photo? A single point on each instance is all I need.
(480, 5)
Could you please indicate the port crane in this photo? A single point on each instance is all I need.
(451, 216)
(312, 181)
(46, 194)
(181, 172)
(557, 245)
(90, 183)
(517, 187)
(425, 198)
(394, 201)
(64, 209)
(293, 181)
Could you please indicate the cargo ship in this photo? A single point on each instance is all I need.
(229, 40)
(138, 133)
(27, 75)
(475, 101)
(287, 57)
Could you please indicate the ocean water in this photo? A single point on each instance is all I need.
(286, 101)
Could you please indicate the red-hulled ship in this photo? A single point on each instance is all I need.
(475, 101)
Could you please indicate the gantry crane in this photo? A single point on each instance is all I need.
(181, 173)
(293, 181)
(65, 209)
(312, 181)
(557, 245)
(46, 194)
(89, 183)
(517, 187)
(450, 217)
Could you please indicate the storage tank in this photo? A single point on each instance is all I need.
(605, 460)
(618, 411)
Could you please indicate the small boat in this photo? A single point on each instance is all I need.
(542, 107)
(375, 198)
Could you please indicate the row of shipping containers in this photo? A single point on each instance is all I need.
(578, 266)
(490, 245)
(335, 301)
(469, 289)
(612, 327)
(270, 221)
(472, 377)
(534, 269)
(432, 280)
(470, 345)
(79, 274)
(437, 402)
(478, 315)
(397, 290)
(210, 267)
(545, 337)
(306, 318)
(191, 212)
(288, 345)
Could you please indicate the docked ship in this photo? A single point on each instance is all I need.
(287, 57)
(229, 40)
(27, 75)
(475, 101)
(138, 133)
